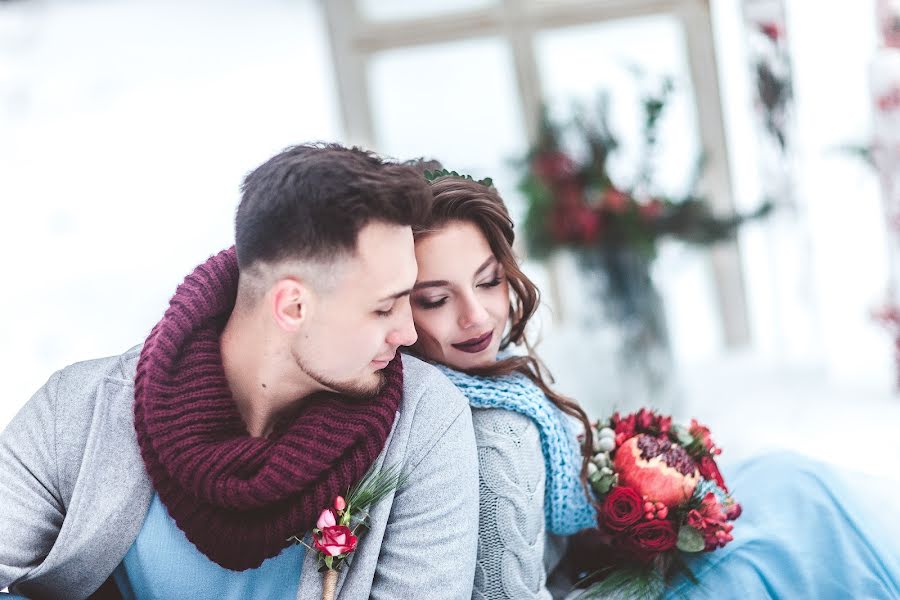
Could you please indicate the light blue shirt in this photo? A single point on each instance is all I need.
(163, 564)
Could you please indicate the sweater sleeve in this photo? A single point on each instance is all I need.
(511, 534)
(32, 508)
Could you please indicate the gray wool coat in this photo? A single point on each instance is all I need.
(74, 491)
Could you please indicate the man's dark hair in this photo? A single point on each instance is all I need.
(311, 201)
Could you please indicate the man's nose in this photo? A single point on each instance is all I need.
(405, 332)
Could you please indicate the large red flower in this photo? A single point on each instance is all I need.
(657, 469)
(621, 508)
(649, 538)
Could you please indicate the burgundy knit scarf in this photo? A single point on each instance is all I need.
(239, 498)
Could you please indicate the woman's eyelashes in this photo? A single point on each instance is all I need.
(432, 303)
(429, 304)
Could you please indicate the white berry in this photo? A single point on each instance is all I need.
(606, 432)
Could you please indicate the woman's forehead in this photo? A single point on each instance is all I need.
(459, 249)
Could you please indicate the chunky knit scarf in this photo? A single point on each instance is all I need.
(239, 498)
(566, 508)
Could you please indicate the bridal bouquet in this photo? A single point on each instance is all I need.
(660, 496)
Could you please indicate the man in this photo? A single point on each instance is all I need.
(272, 383)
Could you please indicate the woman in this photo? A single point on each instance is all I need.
(461, 305)
(470, 303)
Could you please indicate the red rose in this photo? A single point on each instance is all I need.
(710, 470)
(621, 508)
(649, 538)
(335, 540)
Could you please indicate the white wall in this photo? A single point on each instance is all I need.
(125, 131)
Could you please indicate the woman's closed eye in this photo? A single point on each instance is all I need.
(430, 303)
(492, 283)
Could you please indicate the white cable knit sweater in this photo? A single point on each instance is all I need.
(515, 553)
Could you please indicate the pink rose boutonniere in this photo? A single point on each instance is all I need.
(339, 526)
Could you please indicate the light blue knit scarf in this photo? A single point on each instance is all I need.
(566, 508)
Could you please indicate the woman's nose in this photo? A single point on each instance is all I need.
(473, 314)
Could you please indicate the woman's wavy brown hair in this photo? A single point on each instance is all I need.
(459, 199)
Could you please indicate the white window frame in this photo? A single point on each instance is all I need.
(355, 39)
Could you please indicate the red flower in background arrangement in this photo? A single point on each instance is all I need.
(554, 167)
(651, 210)
(571, 220)
(771, 30)
(615, 201)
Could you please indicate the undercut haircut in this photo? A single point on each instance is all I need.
(309, 203)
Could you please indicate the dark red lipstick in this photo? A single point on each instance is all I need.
(475, 344)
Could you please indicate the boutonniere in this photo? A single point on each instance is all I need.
(339, 526)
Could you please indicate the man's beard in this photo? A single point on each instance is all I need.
(352, 389)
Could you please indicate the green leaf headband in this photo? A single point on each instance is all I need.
(435, 175)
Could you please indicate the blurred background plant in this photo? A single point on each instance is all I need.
(614, 227)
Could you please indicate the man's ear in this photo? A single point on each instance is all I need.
(291, 301)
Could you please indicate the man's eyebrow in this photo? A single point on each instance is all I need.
(396, 296)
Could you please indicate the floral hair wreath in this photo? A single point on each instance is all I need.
(435, 175)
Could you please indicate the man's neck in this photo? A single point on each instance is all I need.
(265, 383)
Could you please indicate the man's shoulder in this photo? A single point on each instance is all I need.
(424, 382)
(88, 373)
(431, 404)
(83, 388)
